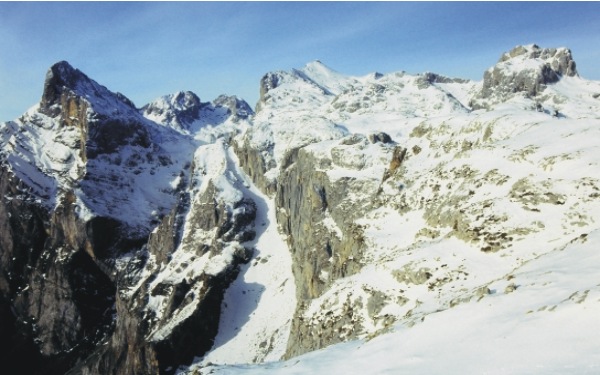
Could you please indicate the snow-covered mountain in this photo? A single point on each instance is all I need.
(391, 223)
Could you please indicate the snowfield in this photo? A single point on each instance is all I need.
(458, 300)
(542, 318)
(256, 320)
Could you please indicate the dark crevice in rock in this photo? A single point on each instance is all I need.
(93, 295)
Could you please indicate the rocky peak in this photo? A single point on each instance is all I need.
(237, 107)
(560, 59)
(185, 100)
(184, 112)
(60, 77)
(66, 88)
(268, 82)
(524, 70)
(180, 108)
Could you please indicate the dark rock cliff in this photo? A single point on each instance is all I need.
(317, 214)
(74, 287)
(60, 300)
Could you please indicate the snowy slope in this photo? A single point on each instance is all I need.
(477, 225)
(548, 325)
(258, 305)
(316, 103)
(321, 75)
(493, 215)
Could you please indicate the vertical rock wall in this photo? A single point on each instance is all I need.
(60, 301)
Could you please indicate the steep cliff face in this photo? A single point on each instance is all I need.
(60, 299)
(18, 253)
(256, 162)
(322, 190)
(169, 310)
(85, 264)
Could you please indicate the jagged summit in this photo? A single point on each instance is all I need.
(63, 74)
(84, 138)
(560, 59)
(178, 109)
(66, 87)
(186, 113)
(236, 107)
(60, 76)
(524, 70)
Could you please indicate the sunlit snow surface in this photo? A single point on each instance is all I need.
(531, 307)
(259, 305)
(548, 325)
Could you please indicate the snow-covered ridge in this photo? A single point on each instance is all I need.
(406, 206)
(205, 122)
(479, 196)
(84, 137)
(333, 82)
(316, 103)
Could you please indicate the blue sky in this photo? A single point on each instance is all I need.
(148, 49)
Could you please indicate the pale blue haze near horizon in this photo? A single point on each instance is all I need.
(149, 49)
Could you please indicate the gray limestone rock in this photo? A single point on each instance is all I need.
(236, 107)
(60, 297)
(268, 82)
(380, 137)
(524, 70)
(307, 198)
(183, 108)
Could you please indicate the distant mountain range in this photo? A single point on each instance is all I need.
(401, 223)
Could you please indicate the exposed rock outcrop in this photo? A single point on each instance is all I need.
(252, 160)
(237, 108)
(524, 70)
(60, 299)
(78, 276)
(179, 109)
(317, 212)
(267, 83)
